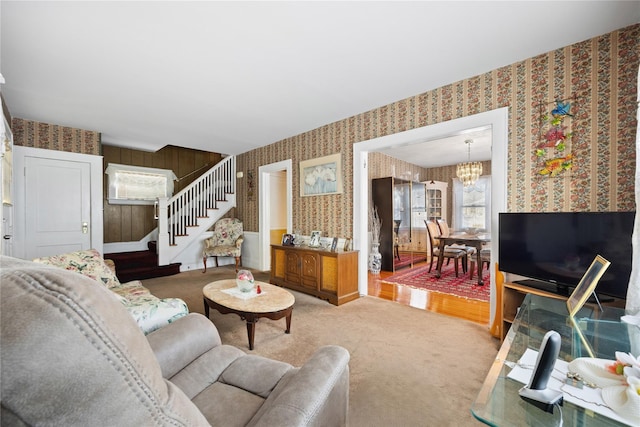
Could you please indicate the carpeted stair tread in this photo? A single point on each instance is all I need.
(125, 260)
(138, 265)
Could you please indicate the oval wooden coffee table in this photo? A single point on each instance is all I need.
(273, 303)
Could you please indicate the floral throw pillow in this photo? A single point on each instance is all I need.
(87, 262)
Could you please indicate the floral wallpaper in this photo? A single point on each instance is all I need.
(29, 133)
(599, 75)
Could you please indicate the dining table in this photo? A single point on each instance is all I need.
(463, 238)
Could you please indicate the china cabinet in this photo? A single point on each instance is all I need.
(402, 207)
(436, 199)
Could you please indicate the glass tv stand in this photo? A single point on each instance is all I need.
(498, 402)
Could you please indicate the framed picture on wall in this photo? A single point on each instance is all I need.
(250, 185)
(321, 176)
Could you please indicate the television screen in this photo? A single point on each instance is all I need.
(558, 247)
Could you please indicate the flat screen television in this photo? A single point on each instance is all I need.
(553, 250)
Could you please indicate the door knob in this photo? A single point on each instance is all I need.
(85, 228)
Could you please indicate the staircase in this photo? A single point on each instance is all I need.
(183, 218)
(140, 265)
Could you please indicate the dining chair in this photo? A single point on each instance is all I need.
(444, 227)
(485, 258)
(445, 231)
(449, 253)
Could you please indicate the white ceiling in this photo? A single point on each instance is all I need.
(445, 151)
(229, 77)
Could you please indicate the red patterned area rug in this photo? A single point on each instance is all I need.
(407, 259)
(448, 283)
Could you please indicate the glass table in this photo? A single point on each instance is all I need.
(498, 402)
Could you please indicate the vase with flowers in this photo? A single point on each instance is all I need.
(245, 281)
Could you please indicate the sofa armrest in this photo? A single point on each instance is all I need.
(181, 342)
(316, 394)
(112, 265)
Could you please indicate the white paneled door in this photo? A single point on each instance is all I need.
(57, 206)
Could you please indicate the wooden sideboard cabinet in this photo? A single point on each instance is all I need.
(332, 276)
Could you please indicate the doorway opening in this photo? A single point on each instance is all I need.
(497, 120)
(271, 202)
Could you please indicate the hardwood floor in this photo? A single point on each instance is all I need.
(473, 310)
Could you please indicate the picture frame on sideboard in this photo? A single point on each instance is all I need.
(314, 241)
(287, 239)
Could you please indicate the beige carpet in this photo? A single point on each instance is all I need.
(409, 367)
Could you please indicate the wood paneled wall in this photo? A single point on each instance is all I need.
(127, 223)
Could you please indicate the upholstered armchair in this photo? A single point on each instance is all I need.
(226, 241)
(73, 356)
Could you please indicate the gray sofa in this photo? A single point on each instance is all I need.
(149, 311)
(72, 355)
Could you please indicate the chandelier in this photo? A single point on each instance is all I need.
(469, 172)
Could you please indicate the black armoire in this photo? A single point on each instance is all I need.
(402, 208)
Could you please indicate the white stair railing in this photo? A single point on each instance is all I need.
(183, 217)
